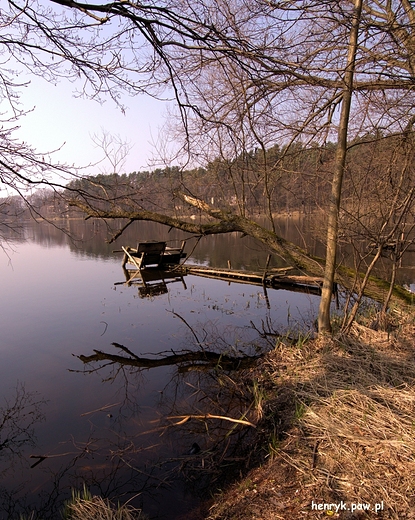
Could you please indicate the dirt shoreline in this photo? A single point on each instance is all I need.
(338, 427)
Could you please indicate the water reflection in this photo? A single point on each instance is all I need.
(151, 282)
(115, 427)
(128, 431)
(19, 416)
(207, 411)
(89, 239)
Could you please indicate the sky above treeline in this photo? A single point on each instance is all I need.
(61, 120)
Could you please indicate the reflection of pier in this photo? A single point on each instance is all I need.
(151, 281)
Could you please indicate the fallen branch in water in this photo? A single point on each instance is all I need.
(185, 418)
(192, 358)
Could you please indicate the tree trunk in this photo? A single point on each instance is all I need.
(324, 324)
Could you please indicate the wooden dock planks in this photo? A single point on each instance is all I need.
(277, 278)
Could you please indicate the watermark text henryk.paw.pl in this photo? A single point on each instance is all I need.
(337, 507)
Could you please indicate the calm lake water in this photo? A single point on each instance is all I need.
(105, 425)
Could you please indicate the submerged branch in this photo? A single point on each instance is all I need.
(192, 359)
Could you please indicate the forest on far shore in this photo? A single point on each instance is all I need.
(297, 180)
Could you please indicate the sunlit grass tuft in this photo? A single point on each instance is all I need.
(84, 506)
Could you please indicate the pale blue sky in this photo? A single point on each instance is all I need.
(60, 118)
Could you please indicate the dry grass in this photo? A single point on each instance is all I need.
(97, 508)
(352, 437)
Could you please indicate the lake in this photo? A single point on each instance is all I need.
(105, 424)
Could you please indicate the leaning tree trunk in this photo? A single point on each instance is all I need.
(230, 223)
(324, 324)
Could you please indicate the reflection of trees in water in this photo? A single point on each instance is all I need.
(96, 463)
(65, 467)
(212, 411)
(18, 418)
(90, 239)
(207, 410)
(202, 438)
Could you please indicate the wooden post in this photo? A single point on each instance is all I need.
(265, 271)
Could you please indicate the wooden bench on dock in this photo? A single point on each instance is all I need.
(146, 254)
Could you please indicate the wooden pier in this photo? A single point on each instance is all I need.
(155, 256)
(272, 278)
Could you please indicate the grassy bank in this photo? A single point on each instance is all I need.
(338, 426)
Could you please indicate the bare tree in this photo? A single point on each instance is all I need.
(377, 217)
(115, 151)
(247, 73)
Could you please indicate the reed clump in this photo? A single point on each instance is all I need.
(98, 508)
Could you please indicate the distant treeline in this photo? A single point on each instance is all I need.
(280, 180)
